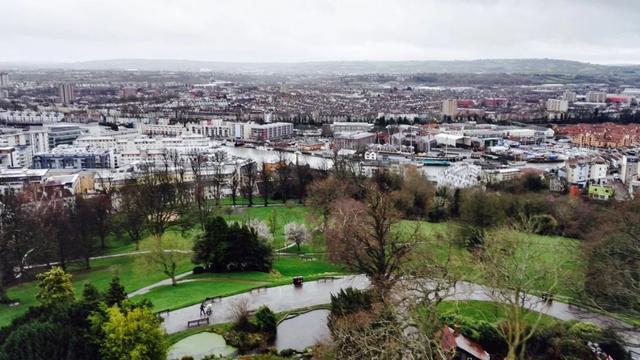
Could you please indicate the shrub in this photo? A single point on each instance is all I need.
(267, 322)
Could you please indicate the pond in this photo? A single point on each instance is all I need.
(199, 346)
(303, 330)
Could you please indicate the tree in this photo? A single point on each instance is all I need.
(208, 247)
(166, 253)
(512, 269)
(101, 204)
(201, 185)
(249, 181)
(218, 181)
(55, 287)
(131, 215)
(261, 228)
(131, 333)
(265, 179)
(234, 185)
(283, 169)
(479, 212)
(115, 294)
(231, 248)
(613, 259)
(91, 294)
(159, 199)
(83, 216)
(323, 193)
(360, 236)
(297, 233)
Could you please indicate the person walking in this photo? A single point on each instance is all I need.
(202, 309)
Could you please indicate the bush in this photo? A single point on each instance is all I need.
(199, 270)
(267, 322)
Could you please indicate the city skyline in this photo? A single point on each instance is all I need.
(289, 31)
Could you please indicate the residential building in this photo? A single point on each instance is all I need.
(4, 80)
(569, 96)
(66, 93)
(72, 157)
(450, 107)
(272, 131)
(596, 97)
(600, 192)
(556, 105)
(344, 127)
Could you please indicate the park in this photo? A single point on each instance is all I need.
(224, 273)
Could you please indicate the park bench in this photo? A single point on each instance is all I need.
(198, 322)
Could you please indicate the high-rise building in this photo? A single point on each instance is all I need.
(450, 107)
(556, 105)
(596, 97)
(4, 80)
(569, 96)
(66, 93)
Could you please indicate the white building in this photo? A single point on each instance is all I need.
(450, 107)
(596, 97)
(556, 105)
(344, 127)
(569, 96)
(30, 117)
(460, 175)
(4, 80)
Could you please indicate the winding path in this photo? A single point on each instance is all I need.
(312, 293)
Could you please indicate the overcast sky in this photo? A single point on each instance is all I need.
(598, 31)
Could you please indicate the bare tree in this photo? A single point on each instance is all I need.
(201, 184)
(265, 179)
(234, 184)
(249, 181)
(512, 270)
(131, 215)
(360, 236)
(283, 169)
(159, 199)
(322, 195)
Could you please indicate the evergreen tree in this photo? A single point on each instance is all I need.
(115, 295)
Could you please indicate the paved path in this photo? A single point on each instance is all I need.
(279, 299)
(287, 298)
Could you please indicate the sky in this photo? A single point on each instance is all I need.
(598, 31)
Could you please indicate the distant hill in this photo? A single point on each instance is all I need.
(488, 66)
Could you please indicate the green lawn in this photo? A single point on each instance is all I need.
(474, 310)
(132, 276)
(189, 293)
(201, 286)
(282, 214)
(550, 250)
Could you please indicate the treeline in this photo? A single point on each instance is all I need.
(38, 228)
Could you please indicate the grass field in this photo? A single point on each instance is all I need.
(132, 276)
(487, 311)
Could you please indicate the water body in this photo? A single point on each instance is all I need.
(199, 346)
(303, 331)
(259, 156)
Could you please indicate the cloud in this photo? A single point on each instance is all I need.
(294, 30)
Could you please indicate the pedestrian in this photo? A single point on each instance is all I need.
(201, 309)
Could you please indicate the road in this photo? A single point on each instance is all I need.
(287, 298)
